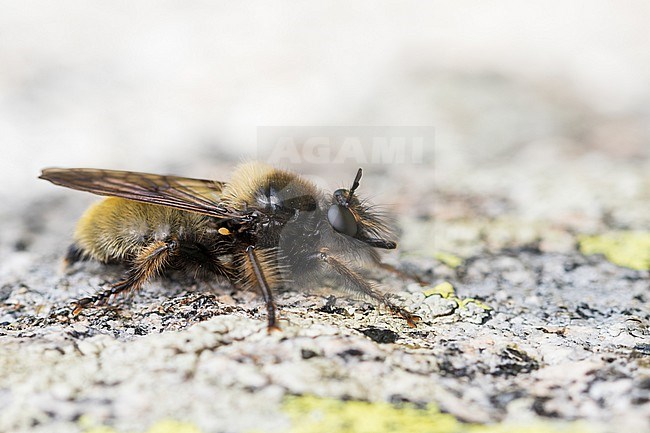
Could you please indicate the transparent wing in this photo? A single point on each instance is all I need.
(196, 195)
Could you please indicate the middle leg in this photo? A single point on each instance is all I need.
(259, 270)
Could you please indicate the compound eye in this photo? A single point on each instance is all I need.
(342, 220)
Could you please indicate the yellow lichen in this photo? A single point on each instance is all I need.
(162, 426)
(462, 303)
(447, 291)
(630, 249)
(310, 414)
(448, 259)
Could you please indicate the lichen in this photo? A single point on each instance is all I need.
(630, 249)
(448, 259)
(162, 426)
(446, 290)
(310, 414)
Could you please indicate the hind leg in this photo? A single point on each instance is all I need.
(150, 262)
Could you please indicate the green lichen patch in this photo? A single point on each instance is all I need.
(446, 290)
(630, 249)
(448, 259)
(310, 414)
(162, 426)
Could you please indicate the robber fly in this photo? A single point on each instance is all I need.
(265, 229)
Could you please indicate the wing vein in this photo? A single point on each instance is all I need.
(195, 195)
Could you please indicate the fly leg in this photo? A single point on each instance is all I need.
(260, 271)
(401, 274)
(356, 282)
(151, 260)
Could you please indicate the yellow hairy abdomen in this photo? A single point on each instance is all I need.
(116, 229)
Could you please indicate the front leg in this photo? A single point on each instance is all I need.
(401, 274)
(358, 283)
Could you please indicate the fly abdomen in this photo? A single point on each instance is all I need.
(117, 229)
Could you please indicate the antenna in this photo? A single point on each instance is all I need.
(355, 184)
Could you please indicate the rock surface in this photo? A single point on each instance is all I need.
(529, 220)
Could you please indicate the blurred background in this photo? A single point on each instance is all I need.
(541, 106)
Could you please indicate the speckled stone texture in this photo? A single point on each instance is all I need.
(518, 328)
